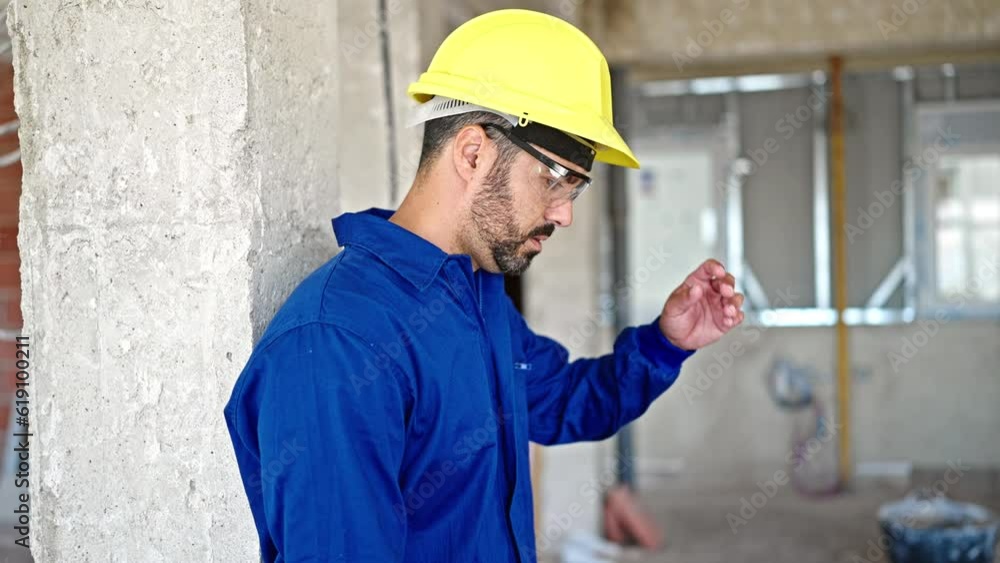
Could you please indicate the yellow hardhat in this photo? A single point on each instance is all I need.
(534, 67)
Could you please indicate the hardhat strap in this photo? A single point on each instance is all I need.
(574, 149)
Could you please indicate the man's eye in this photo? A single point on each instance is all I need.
(548, 174)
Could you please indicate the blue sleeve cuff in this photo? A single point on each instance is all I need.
(657, 348)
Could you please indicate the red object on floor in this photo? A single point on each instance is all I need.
(626, 523)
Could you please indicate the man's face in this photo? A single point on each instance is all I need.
(513, 212)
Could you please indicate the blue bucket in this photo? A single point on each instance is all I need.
(923, 529)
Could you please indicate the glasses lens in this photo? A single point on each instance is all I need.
(562, 185)
(566, 187)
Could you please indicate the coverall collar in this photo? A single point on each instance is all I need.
(414, 258)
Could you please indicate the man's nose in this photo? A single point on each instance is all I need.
(561, 214)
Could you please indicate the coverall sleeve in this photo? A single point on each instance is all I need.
(331, 426)
(591, 398)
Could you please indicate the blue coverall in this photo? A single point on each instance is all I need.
(385, 414)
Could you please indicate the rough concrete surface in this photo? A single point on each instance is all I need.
(379, 57)
(363, 169)
(179, 176)
(293, 142)
(726, 29)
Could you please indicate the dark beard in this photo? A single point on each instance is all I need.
(493, 216)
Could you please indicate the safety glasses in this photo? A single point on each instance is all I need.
(563, 184)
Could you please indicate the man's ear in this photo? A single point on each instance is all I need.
(467, 151)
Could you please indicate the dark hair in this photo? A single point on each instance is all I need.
(438, 132)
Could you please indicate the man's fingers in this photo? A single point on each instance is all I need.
(725, 285)
(687, 295)
(731, 313)
(714, 268)
(710, 269)
(692, 294)
(733, 321)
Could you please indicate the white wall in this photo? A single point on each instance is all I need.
(937, 407)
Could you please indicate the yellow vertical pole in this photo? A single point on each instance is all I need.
(840, 267)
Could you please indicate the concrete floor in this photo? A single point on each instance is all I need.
(790, 528)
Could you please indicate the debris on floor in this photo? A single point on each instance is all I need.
(929, 528)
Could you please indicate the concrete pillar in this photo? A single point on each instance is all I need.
(293, 139)
(363, 172)
(379, 55)
(179, 177)
(404, 66)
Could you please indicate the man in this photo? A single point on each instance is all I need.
(386, 412)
